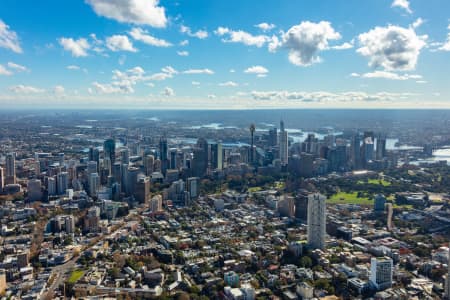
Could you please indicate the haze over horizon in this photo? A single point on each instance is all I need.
(153, 54)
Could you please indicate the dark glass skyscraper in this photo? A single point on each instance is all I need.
(109, 149)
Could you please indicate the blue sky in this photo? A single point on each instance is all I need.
(224, 54)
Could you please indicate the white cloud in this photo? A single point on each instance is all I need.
(73, 67)
(417, 23)
(78, 48)
(242, 37)
(183, 53)
(265, 26)
(329, 97)
(212, 96)
(25, 89)
(229, 84)
(200, 34)
(168, 92)
(119, 43)
(9, 39)
(404, 4)
(143, 12)
(17, 67)
(446, 45)
(195, 83)
(166, 73)
(343, 46)
(199, 71)
(387, 75)
(259, 70)
(232, 70)
(305, 41)
(101, 88)
(392, 48)
(4, 71)
(184, 43)
(142, 35)
(59, 91)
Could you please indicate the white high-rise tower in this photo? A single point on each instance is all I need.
(316, 221)
(283, 145)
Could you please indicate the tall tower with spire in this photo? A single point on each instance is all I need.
(283, 144)
(252, 149)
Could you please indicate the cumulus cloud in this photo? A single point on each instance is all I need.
(446, 45)
(142, 35)
(9, 39)
(200, 34)
(184, 43)
(403, 4)
(325, 97)
(17, 67)
(119, 43)
(387, 75)
(417, 23)
(183, 53)
(265, 26)
(260, 71)
(231, 36)
(142, 12)
(229, 84)
(25, 89)
(392, 48)
(199, 71)
(4, 71)
(168, 92)
(305, 41)
(343, 46)
(105, 88)
(78, 48)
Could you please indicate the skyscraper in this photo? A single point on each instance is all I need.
(109, 149)
(283, 140)
(316, 221)
(163, 154)
(10, 168)
(381, 269)
(381, 147)
(125, 156)
(94, 184)
(217, 156)
(62, 182)
(252, 143)
(2, 179)
(273, 137)
(356, 152)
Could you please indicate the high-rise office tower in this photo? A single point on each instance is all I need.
(94, 184)
(367, 149)
(149, 161)
(34, 190)
(356, 151)
(10, 168)
(192, 187)
(252, 143)
(142, 189)
(2, 179)
(131, 180)
(283, 140)
(109, 149)
(125, 156)
(163, 155)
(173, 159)
(62, 182)
(51, 186)
(217, 156)
(273, 137)
(91, 167)
(316, 221)
(200, 161)
(381, 147)
(380, 202)
(381, 269)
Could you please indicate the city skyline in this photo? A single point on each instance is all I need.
(215, 55)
